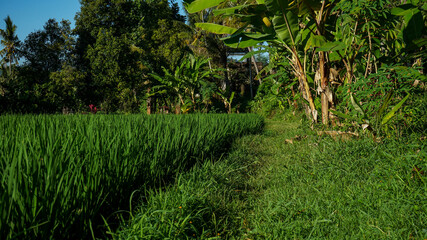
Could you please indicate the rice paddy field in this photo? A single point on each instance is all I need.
(61, 173)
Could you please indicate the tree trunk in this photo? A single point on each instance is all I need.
(304, 87)
(151, 105)
(324, 77)
(295, 101)
(225, 85)
(178, 108)
(10, 65)
(181, 102)
(149, 102)
(255, 65)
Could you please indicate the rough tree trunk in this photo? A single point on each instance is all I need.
(304, 87)
(255, 65)
(324, 77)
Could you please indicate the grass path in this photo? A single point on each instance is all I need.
(312, 188)
(321, 188)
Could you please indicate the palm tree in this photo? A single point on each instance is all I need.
(10, 41)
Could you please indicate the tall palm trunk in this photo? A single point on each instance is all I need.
(10, 65)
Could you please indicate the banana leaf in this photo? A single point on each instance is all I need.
(216, 28)
(342, 115)
(356, 105)
(285, 22)
(199, 5)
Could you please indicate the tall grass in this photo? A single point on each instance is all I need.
(59, 172)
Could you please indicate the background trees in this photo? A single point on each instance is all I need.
(103, 61)
(321, 54)
(120, 42)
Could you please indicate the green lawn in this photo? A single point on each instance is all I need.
(314, 188)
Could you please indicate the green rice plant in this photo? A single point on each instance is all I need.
(60, 174)
(203, 203)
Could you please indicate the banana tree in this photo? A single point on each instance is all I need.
(195, 73)
(184, 82)
(170, 84)
(295, 26)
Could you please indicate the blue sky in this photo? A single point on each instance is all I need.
(31, 15)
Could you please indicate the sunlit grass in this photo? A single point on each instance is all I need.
(321, 188)
(315, 188)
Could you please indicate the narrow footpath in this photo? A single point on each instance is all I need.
(290, 183)
(314, 187)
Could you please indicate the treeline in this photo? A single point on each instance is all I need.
(353, 64)
(115, 59)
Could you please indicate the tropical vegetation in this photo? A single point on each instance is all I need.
(342, 85)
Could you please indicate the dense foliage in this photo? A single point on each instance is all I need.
(358, 66)
(125, 56)
(321, 50)
(103, 61)
(59, 173)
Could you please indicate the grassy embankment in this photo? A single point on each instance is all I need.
(314, 187)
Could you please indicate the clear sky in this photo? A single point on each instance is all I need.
(31, 15)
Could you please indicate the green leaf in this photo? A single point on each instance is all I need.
(413, 22)
(304, 35)
(403, 10)
(318, 103)
(309, 79)
(308, 6)
(244, 40)
(252, 53)
(216, 28)
(286, 27)
(232, 97)
(334, 56)
(275, 89)
(331, 46)
(356, 105)
(257, 35)
(315, 41)
(200, 5)
(421, 42)
(414, 28)
(245, 11)
(285, 22)
(228, 11)
(291, 85)
(389, 115)
(385, 104)
(342, 115)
